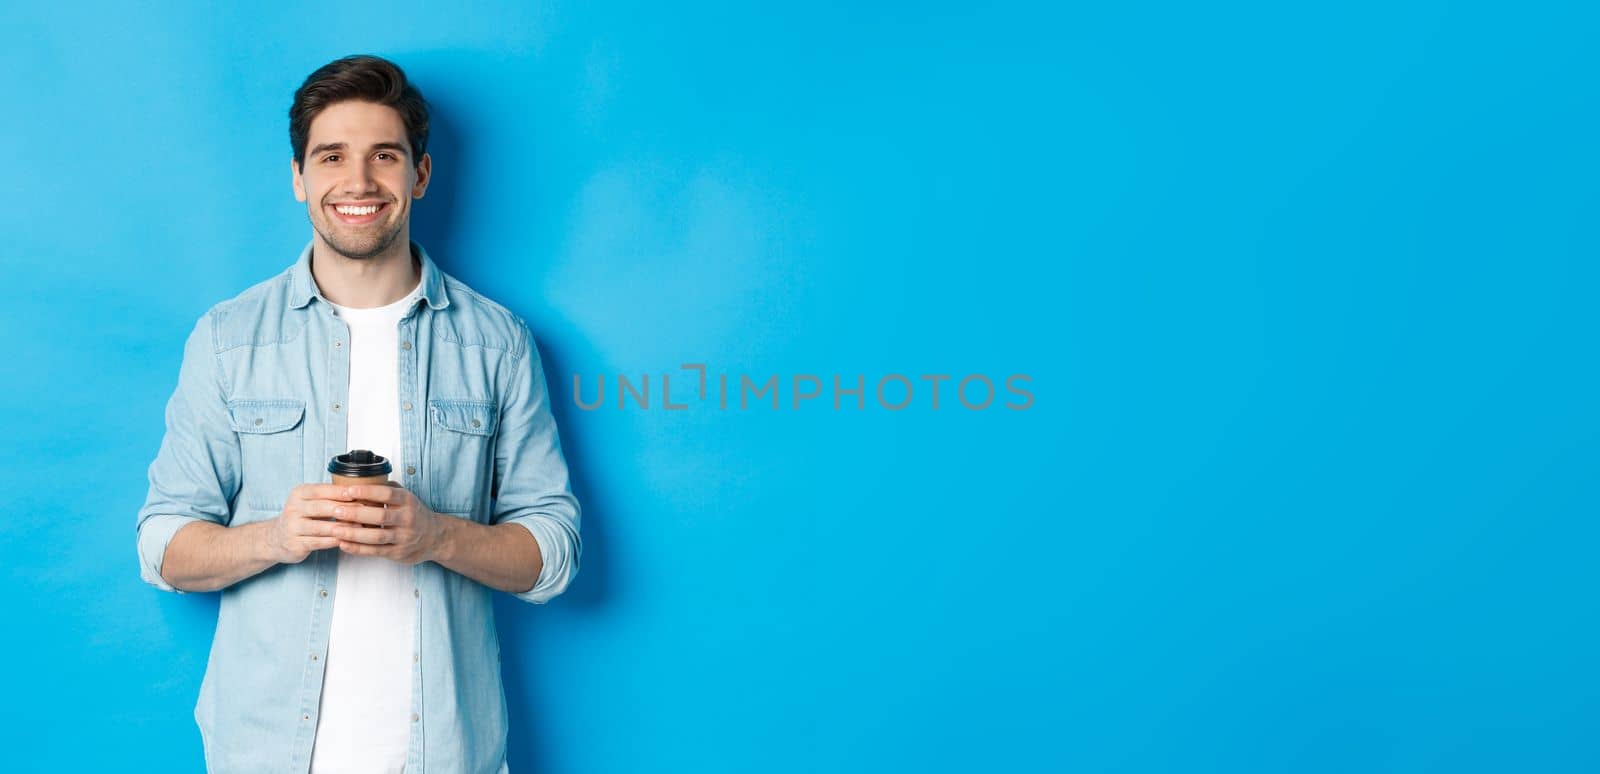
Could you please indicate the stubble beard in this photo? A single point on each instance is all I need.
(361, 249)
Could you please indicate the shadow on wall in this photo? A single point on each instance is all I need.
(525, 630)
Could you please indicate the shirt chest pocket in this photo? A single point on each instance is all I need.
(271, 448)
(460, 453)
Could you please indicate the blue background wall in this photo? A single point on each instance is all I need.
(1307, 299)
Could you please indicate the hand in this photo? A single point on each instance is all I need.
(389, 521)
(296, 532)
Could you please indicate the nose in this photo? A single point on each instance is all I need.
(361, 179)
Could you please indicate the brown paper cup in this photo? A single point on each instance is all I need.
(360, 460)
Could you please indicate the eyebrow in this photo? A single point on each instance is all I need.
(332, 146)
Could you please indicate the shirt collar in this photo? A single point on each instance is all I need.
(302, 287)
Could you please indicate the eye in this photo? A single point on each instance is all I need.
(330, 158)
(384, 154)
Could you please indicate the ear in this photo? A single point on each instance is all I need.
(424, 174)
(299, 182)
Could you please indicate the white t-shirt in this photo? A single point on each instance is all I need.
(364, 724)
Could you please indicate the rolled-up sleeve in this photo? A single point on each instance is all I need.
(530, 475)
(196, 471)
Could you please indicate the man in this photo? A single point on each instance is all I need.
(356, 632)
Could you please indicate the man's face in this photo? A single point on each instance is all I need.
(358, 159)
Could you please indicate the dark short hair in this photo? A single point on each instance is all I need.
(364, 78)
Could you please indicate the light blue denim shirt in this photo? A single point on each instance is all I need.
(259, 408)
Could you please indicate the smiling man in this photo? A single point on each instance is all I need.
(356, 632)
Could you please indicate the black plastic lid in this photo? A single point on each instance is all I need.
(359, 463)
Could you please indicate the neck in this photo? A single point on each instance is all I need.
(365, 283)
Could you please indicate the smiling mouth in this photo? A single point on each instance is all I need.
(356, 215)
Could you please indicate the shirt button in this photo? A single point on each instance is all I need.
(323, 592)
(305, 717)
(337, 343)
(415, 658)
(414, 717)
(335, 407)
(405, 345)
(411, 470)
(258, 421)
(408, 405)
(416, 592)
(313, 657)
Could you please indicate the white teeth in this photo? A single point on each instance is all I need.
(357, 210)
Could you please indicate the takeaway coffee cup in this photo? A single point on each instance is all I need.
(358, 467)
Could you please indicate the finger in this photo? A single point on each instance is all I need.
(360, 549)
(319, 543)
(392, 495)
(368, 515)
(324, 509)
(309, 524)
(363, 514)
(323, 492)
(368, 535)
